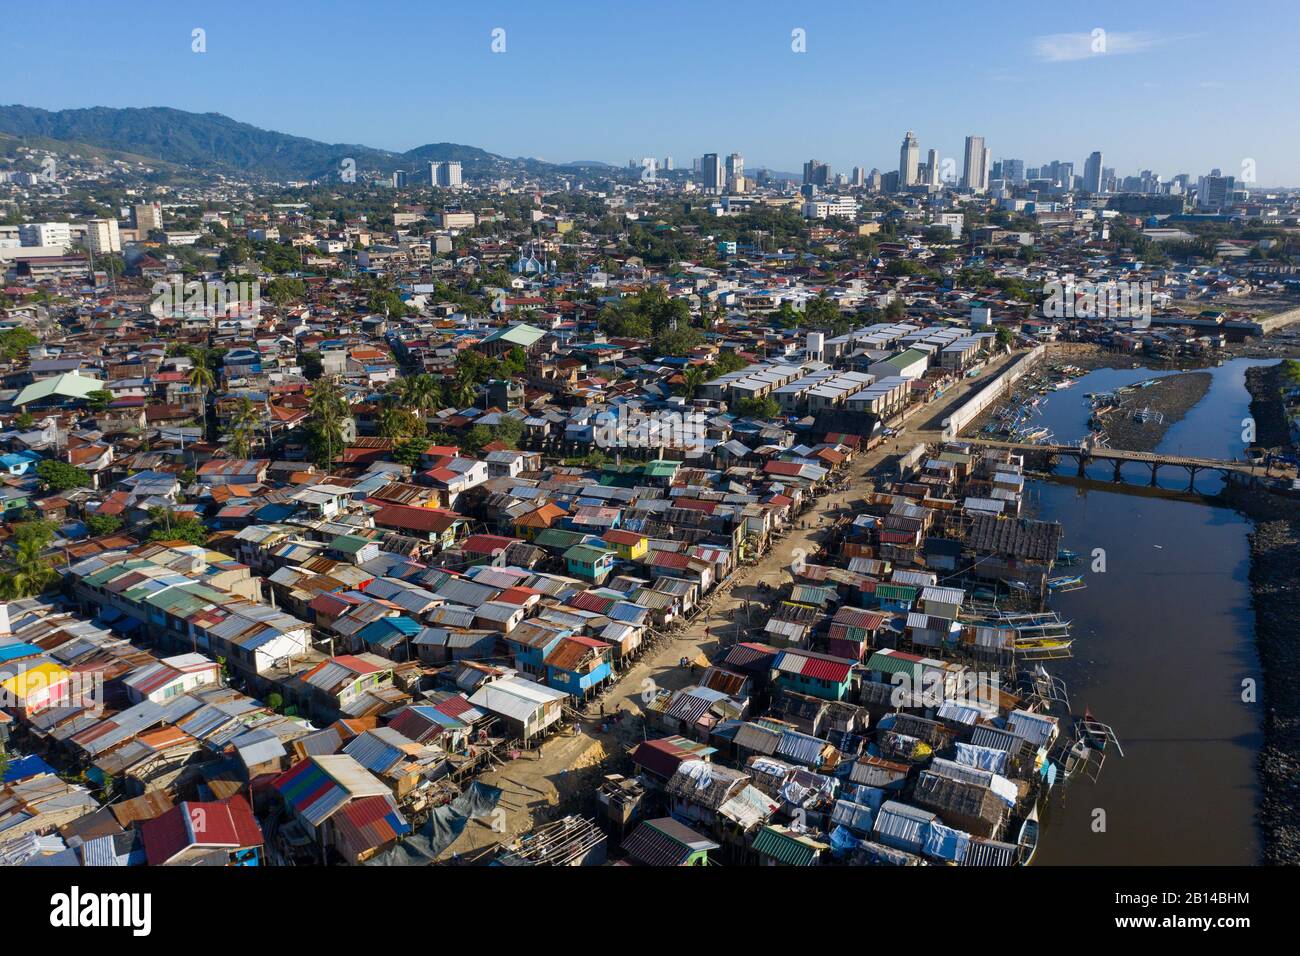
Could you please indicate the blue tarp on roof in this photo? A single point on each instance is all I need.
(22, 767)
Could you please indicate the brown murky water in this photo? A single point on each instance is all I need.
(1163, 641)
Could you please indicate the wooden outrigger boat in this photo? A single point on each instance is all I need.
(1069, 582)
(1028, 840)
(1092, 743)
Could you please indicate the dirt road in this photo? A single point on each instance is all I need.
(571, 764)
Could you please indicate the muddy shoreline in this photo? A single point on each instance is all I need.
(1170, 398)
(1275, 597)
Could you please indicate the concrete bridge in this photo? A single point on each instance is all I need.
(1118, 458)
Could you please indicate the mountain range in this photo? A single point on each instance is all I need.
(211, 142)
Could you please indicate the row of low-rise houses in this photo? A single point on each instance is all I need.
(357, 637)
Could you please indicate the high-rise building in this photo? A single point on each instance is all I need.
(975, 173)
(45, 234)
(735, 165)
(102, 236)
(736, 173)
(1092, 174)
(816, 173)
(932, 167)
(399, 179)
(1215, 190)
(147, 215)
(909, 161)
(1013, 170)
(668, 164)
(445, 174)
(711, 172)
(859, 176)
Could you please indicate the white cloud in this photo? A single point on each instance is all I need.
(1062, 47)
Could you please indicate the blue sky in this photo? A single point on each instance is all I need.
(1181, 87)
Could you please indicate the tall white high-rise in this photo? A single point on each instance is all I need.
(102, 236)
(909, 161)
(1092, 174)
(445, 174)
(975, 172)
(736, 173)
(932, 167)
(45, 234)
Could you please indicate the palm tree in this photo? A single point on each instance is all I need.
(328, 408)
(692, 379)
(397, 419)
(203, 380)
(243, 422)
(420, 393)
(462, 392)
(30, 573)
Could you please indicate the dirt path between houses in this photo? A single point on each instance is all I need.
(562, 775)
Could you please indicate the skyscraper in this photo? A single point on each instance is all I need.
(975, 173)
(932, 167)
(1092, 175)
(1013, 170)
(445, 174)
(816, 173)
(909, 161)
(1215, 190)
(736, 173)
(711, 173)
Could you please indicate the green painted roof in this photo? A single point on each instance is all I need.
(524, 335)
(661, 468)
(67, 385)
(892, 664)
(586, 552)
(784, 848)
(557, 538)
(896, 592)
(349, 543)
(905, 358)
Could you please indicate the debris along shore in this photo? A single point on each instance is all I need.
(1275, 589)
(1275, 595)
(1145, 415)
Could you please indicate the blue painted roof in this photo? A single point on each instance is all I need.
(13, 652)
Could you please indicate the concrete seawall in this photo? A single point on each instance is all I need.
(993, 389)
(1272, 323)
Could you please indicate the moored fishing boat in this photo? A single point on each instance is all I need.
(1028, 839)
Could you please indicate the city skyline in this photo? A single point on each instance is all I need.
(1046, 91)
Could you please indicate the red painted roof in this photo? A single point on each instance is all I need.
(219, 823)
(408, 518)
(486, 543)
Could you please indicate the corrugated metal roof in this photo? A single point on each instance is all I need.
(784, 847)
